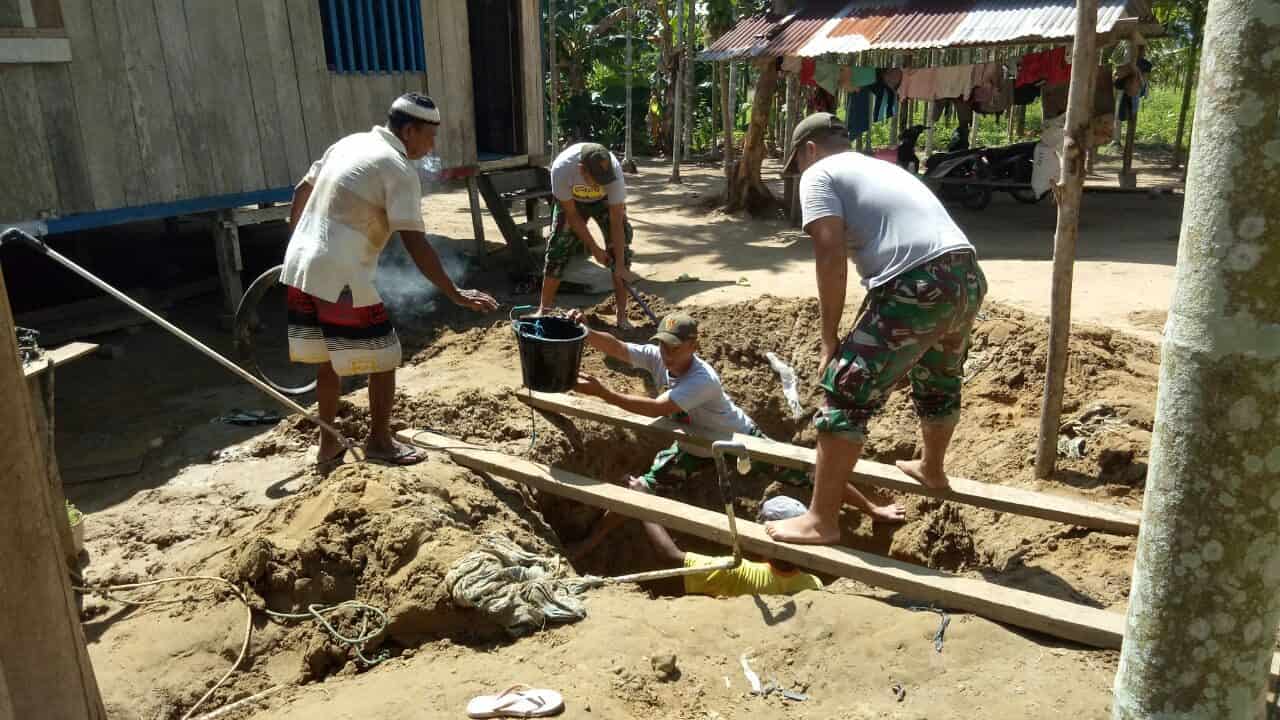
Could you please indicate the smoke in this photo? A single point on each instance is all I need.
(410, 297)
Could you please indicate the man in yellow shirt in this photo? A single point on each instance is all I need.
(772, 577)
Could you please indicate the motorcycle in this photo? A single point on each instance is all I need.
(969, 176)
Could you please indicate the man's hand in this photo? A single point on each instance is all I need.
(830, 347)
(475, 300)
(588, 385)
(576, 317)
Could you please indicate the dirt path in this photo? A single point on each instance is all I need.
(241, 502)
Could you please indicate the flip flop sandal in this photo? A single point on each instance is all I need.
(403, 455)
(517, 701)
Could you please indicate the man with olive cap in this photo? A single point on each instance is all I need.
(345, 209)
(924, 288)
(586, 180)
(691, 393)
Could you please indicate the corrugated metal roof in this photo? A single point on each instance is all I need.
(825, 27)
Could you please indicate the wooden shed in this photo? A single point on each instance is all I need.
(118, 111)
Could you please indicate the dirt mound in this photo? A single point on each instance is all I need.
(1106, 434)
(386, 537)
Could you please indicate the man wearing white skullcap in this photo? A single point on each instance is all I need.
(363, 189)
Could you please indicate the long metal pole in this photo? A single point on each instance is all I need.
(16, 235)
(1084, 63)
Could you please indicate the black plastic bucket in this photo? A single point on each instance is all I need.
(550, 351)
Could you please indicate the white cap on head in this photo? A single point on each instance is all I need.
(417, 106)
(781, 507)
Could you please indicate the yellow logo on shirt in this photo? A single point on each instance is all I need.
(587, 192)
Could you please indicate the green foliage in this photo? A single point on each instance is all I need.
(74, 516)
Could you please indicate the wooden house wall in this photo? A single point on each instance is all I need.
(168, 100)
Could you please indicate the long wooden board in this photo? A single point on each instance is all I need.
(59, 356)
(995, 497)
(1059, 618)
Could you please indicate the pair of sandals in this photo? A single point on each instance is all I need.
(517, 701)
(402, 455)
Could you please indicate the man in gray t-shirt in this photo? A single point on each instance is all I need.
(924, 288)
(691, 392)
(586, 181)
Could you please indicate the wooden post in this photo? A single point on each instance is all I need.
(554, 64)
(928, 115)
(1069, 191)
(1193, 56)
(689, 76)
(791, 184)
(677, 118)
(477, 224)
(45, 665)
(226, 240)
(41, 391)
(1128, 179)
(726, 109)
(1205, 597)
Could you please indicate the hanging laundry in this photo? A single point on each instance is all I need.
(953, 81)
(1025, 94)
(827, 75)
(1053, 96)
(1104, 96)
(1056, 69)
(919, 84)
(792, 64)
(985, 80)
(891, 77)
(857, 112)
(807, 67)
(822, 101)
(1030, 70)
(886, 101)
(860, 76)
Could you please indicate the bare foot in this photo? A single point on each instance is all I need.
(806, 529)
(936, 479)
(329, 452)
(887, 514)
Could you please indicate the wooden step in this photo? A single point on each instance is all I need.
(531, 194)
(534, 224)
(1002, 498)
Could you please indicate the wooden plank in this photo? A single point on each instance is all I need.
(35, 50)
(11, 13)
(62, 131)
(222, 83)
(531, 64)
(28, 187)
(345, 105)
(1059, 618)
(1001, 498)
(189, 111)
(260, 68)
(117, 114)
(90, 93)
(256, 216)
(59, 356)
(25, 32)
(288, 97)
(315, 87)
(448, 49)
(152, 102)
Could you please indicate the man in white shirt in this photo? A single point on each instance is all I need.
(692, 394)
(924, 288)
(364, 188)
(586, 180)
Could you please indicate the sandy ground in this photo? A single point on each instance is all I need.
(208, 493)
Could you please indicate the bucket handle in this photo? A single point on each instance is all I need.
(515, 328)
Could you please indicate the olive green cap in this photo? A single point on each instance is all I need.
(599, 162)
(676, 329)
(813, 125)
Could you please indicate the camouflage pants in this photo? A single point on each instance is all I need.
(564, 244)
(673, 466)
(917, 324)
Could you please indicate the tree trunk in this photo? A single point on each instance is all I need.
(628, 160)
(1193, 58)
(726, 110)
(690, 75)
(554, 66)
(1205, 599)
(745, 190)
(43, 659)
(1084, 63)
(677, 115)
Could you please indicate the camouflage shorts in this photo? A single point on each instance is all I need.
(673, 466)
(917, 324)
(564, 244)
